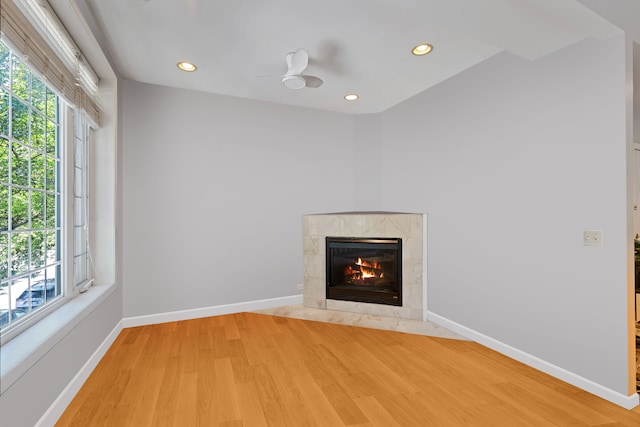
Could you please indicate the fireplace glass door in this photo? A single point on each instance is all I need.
(364, 270)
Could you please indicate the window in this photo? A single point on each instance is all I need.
(81, 255)
(34, 272)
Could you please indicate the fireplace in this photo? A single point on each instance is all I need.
(364, 269)
(410, 228)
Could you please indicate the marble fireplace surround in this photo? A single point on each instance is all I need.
(410, 227)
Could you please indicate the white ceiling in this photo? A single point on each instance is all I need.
(355, 46)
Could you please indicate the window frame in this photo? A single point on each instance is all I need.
(81, 136)
(68, 120)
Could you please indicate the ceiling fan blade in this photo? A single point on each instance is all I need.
(297, 61)
(289, 58)
(313, 81)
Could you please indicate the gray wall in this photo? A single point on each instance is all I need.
(214, 191)
(512, 160)
(367, 162)
(636, 93)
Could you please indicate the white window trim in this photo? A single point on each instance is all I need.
(81, 132)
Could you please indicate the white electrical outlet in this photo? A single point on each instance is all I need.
(592, 238)
(300, 286)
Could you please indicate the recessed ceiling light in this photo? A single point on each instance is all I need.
(351, 97)
(186, 66)
(421, 49)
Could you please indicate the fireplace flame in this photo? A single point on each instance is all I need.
(363, 269)
(367, 273)
(368, 264)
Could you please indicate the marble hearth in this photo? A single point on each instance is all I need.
(410, 227)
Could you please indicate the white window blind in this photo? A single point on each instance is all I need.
(74, 80)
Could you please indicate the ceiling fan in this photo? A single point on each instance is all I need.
(297, 62)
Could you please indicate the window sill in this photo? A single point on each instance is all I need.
(22, 352)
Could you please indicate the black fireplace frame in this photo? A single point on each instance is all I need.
(336, 291)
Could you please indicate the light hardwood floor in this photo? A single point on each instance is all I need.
(251, 369)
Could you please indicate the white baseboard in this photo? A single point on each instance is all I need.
(57, 408)
(627, 402)
(195, 313)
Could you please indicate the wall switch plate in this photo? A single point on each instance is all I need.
(300, 286)
(592, 238)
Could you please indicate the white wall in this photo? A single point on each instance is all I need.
(214, 190)
(512, 160)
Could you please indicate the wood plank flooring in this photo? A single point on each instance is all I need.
(251, 369)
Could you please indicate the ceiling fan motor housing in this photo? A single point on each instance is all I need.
(294, 82)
